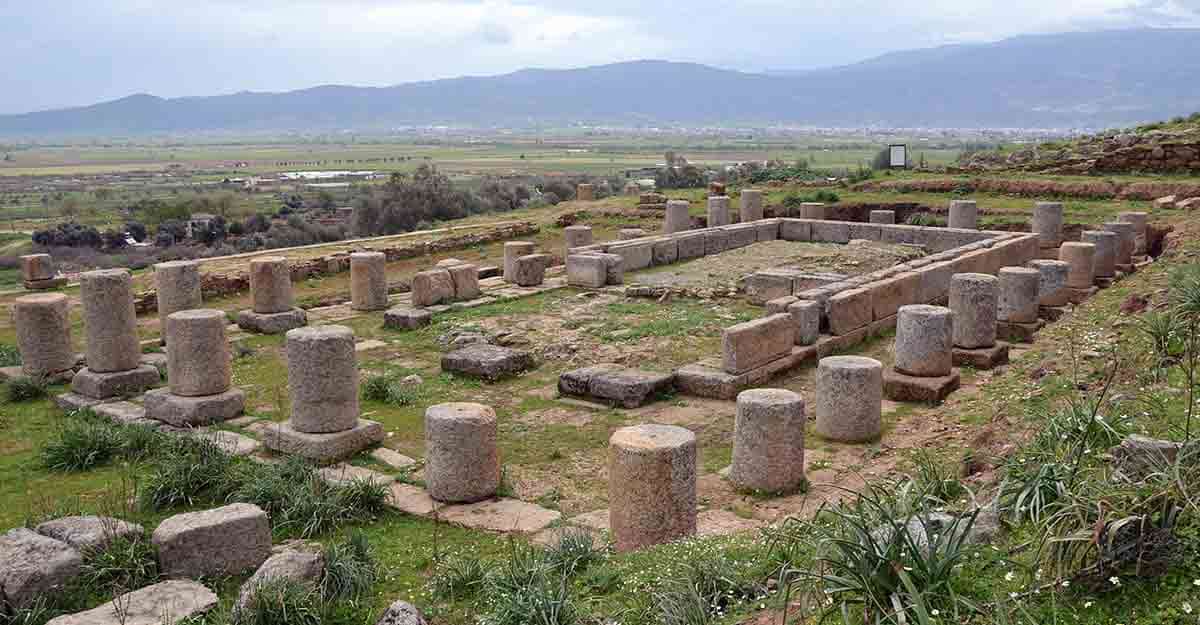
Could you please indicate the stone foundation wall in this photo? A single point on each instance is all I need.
(1099, 189)
(223, 285)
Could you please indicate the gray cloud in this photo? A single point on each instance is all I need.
(72, 52)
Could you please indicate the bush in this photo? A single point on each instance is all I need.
(349, 569)
(25, 389)
(80, 444)
(389, 390)
(137, 230)
(10, 356)
(69, 234)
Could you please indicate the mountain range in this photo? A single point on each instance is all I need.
(1083, 79)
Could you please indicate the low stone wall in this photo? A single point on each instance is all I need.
(214, 286)
(1096, 190)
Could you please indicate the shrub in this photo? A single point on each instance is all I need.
(281, 601)
(389, 390)
(349, 569)
(25, 388)
(69, 234)
(528, 589)
(137, 230)
(81, 444)
(10, 356)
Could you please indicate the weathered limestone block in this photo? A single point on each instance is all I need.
(93, 385)
(629, 234)
(586, 270)
(272, 323)
(768, 441)
(37, 267)
(1052, 282)
(628, 388)
(768, 229)
(716, 240)
(432, 287)
(489, 362)
(296, 565)
(882, 217)
(652, 485)
(164, 603)
(677, 218)
(177, 287)
(1082, 259)
(585, 192)
(756, 343)
(741, 235)
(634, 255)
(1019, 294)
(462, 462)
(718, 211)
(889, 294)
(34, 566)
(89, 533)
(578, 236)
(812, 210)
(405, 318)
(1139, 221)
(1126, 241)
(780, 304)
(222, 541)
(322, 448)
(664, 252)
(934, 282)
(512, 251)
(964, 214)
(849, 310)
(188, 412)
(465, 278)
(806, 315)
(403, 613)
(615, 265)
(769, 284)
(271, 285)
(531, 269)
(795, 230)
(322, 379)
(974, 300)
(691, 245)
(849, 398)
(752, 205)
(43, 328)
(368, 281)
(1105, 256)
(924, 340)
(109, 320)
(830, 232)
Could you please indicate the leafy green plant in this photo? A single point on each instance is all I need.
(10, 356)
(192, 471)
(529, 590)
(82, 443)
(459, 577)
(125, 563)
(25, 388)
(350, 569)
(573, 552)
(281, 601)
(389, 390)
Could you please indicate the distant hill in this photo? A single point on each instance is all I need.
(1092, 79)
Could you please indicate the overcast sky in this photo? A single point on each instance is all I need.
(70, 52)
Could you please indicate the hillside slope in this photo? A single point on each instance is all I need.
(1065, 80)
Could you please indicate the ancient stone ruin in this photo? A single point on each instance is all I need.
(274, 310)
(199, 372)
(113, 353)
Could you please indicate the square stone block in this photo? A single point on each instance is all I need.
(896, 234)
(716, 241)
(116, 384)
(405, 318)
(741, 235)
(691, 245)
(702, 381)
(489, 362)
(586, 270)
(806, 315)
(1079, 296)
(223, 541)
(125, 413)
(1018, 332)
(71, 402)
(795, 230)
(907, 388)
(768, 229)
(849, 310)
(769, 284)
(629, 388)
(780, 304)
(578, 381)
(634, 256)
(752, 344)
(867, 232)
(982, 358)
(888, 295)
(830, 232)
(46, 284)
(831, 345)
(664, 252)
(272, 323)
(179, 411)
(321, 448)
(934, 281)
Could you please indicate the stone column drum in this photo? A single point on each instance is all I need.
(109, 321)
(1105, 258)
(752, 205)
(177, 286)
(577, 236)
(1052, 282)
(1019, 295)
(883, 217)
(677, 218)
(1126, 241)
(198, 359)
(1082, 259)
(322, 379)
(199, 372)
(924, 341)
(1048, 223)
(44, 334)
(368, 281)
(1139, 221)
(652, 485)
(974, 300)
(849, 398)
(585, 192)
(37, 267)
(768, 441)
(718, 211)
(963, 214)
(462, 463)
(512, 251)
(271, 285)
